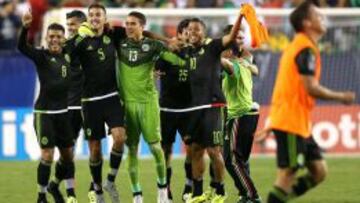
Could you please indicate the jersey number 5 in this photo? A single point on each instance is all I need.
(101, 54)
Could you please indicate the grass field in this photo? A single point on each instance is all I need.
(18, 181)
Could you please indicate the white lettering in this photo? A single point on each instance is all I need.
(9, 133)
(346, 127)
(331, 131)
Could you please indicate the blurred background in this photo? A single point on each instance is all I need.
(336, 127)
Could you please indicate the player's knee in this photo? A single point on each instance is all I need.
(67, 154)
(214, 153)
(47, 155)
(95, 150)
(285, 177)
(119, 136)
(132, 150)
(320, 172)
(155, 147)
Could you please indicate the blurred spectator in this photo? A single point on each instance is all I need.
(9, 25)
(273, 4)
(204, 3)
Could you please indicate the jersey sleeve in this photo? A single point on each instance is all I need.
(28, 50)
(119, 33)
(169, 56)
(305, 62)
(217, 46)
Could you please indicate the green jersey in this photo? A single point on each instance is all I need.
(238, 89)
(135, 74)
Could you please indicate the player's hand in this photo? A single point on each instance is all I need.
(85, 30)
(158, 74)
(174, 44)
(348, 97)
(27, 19)
(261, 135)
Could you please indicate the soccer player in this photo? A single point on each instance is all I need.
(137, 56)
(175, 97)
(206, 122)
(51, 121)
(242, 116)
(296, 88)
(74, 19)
(100, 100)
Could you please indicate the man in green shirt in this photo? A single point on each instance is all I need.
(137, 55)
(242, 116)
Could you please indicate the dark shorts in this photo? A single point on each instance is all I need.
(239, 136)
(53, 130)
(171, 123)
(294, 151)
(206, 127)
(96, 114)
(76, 122)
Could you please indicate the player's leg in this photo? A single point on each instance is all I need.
(94, 131)
(150, 127)
(114, 117)
(241, 138)
(289, 152)
(184, 120)
(44, 129)
(168, 134)
(317, 170)
(133, 138)
(76, 124)
(214, 133)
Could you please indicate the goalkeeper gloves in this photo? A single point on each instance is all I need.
(85, 30)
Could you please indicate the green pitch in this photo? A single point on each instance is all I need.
(18, 181)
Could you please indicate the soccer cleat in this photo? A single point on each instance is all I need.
(218, 199)
(162, 195)
(71, 199)
(248, 200)
(210, 193)
(186, 193)
(53, 189)
(110, 187)
(100, 198)
(197, 199)
(138, 199)
(92, 196)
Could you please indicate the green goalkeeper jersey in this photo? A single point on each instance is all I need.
(238, 89)
(135, 74)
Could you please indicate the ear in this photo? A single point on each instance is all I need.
(306, 23)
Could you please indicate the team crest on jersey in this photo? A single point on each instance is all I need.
(106, 40)
(145, 47)
(202, 51)
(53, 59)
(124, 45)
(44, 140)
(88, 132)
(67, 58)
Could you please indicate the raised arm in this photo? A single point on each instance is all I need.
(227, 39)
(23, 45)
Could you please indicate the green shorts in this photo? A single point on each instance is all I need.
(142, 118)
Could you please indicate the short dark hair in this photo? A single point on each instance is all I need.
(139, 16)
(97, 5)
(182, 25)
(56, 26)
(197, 20)
(227, 29)
(301, 13)
(76, 14)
